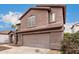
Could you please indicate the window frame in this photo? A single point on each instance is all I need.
(52, 17)
(31, 21)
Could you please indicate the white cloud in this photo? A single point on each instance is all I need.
(68, 28)
(11, 17)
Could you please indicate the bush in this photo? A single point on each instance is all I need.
(70, 44)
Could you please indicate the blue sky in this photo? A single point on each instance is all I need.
(12, 8)
(5, 8)
(72, 13)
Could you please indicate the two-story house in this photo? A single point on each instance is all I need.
(75, 28)
(42, 26)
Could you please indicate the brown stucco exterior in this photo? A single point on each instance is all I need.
(44, 34)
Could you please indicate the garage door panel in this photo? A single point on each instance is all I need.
(36, 40)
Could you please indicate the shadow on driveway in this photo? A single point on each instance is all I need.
(4, 48)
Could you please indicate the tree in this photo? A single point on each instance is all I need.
(14, 26)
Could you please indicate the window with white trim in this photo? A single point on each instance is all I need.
(31, 21)
(52, 17)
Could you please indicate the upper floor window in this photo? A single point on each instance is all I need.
(52, 17)
(31, 21)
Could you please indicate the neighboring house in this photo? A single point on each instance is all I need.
(4, 36)
(75, 28)
(42, 27)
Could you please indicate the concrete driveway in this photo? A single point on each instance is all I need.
(23, 50)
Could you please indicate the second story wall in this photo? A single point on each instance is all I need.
(41, 18)
(58, 15)
(53, 17)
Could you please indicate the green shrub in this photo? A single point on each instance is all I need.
(70, 44)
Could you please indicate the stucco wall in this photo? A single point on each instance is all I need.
(41, 18)
(56, 39)
(58, 13)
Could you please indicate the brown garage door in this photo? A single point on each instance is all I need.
(36, 40)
